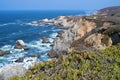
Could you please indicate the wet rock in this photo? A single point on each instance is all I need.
(45, 40)
(35, 55)
(20, 45)
(51, 45)
(20, 59)
(4, 52)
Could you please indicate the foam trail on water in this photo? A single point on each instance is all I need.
(7, 24)
(53, 35)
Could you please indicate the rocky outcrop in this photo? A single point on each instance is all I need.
(63, 42)
(20, 45)
(45, 40)
(4, 52)
(98, 39)
(20, 59)
(76, 26)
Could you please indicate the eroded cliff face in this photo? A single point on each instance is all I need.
(84, 33)
(69, 34)
(85, 27)
(75, 28)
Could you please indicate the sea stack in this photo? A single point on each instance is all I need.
(20, 45)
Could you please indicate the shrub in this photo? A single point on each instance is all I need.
(102, 66)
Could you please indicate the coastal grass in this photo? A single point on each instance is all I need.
(78, 65)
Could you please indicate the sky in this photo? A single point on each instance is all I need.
(56, 4)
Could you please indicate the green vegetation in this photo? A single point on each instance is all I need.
(79, 65)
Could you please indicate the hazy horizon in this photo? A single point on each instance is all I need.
(56, 5)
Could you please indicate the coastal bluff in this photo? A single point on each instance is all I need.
(92, 33)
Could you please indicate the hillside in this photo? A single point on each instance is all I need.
(110, 11)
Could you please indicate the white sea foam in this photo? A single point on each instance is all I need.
(7, 24)
(56, 30)
(53, 35)
(31, 24)
(6, 47)
(29, 62)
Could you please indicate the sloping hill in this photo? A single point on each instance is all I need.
(110, 11)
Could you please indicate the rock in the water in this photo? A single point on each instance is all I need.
(34, 22)
(45, 40)
(35, 55)
(12, 70)
(4, 52)
(20, 45)
(20, 59)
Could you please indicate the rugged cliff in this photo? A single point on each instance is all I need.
(93, 33)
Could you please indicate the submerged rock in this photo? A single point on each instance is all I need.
(20, 45)
(12, 70)
(4, 52)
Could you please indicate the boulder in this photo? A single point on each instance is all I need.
(20, 45)
(52, 54)
(35, 55)
(4, 52)
(20, 59)
(45, 40)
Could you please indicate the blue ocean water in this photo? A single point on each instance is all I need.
(11, 30)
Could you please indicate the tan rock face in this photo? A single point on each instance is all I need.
(106, 24)
(98, 41)
(86, 26)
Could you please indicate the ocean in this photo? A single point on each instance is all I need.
(11, 30)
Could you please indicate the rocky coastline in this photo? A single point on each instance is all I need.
(91, 33)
